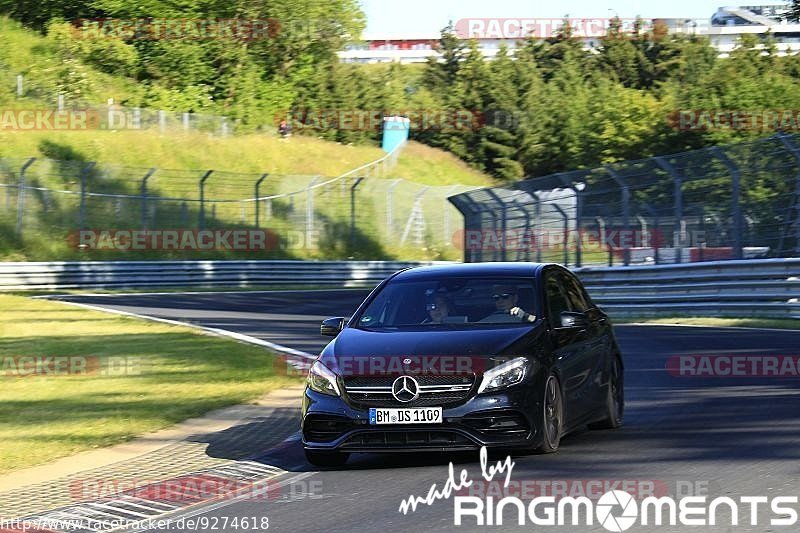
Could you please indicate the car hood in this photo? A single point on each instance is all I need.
(360, 345)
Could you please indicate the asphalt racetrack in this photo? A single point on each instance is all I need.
(712, 436)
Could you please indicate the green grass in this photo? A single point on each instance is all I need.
(34, 56)
(254, 154)
(766, 323)
(428, 166)
(181, 374)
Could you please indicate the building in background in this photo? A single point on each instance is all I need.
(725, 28)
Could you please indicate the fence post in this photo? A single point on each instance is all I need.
(602, 236)
(110, 113)
(390, 208)
(257, 196)
(736, 188)
(566, 232)
(654, 213)
(162, 120)
(578, 190)
(448, 237)
(353, 213)
(185, 120)
(144, 196)
(416, 216)
(538, 213)
(309, 240)
(678, 198)
(202, 215)
(82, 213)
(20, 86)
(626, 210)
(797, 216)
(60, 102)
(21, 195)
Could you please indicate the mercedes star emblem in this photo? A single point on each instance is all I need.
(405, 389)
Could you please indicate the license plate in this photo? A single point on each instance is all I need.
(421, 415)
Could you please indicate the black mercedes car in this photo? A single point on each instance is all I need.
(456, 357)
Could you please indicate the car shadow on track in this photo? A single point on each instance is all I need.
(275, 440)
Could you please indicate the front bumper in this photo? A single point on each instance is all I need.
(500, 420)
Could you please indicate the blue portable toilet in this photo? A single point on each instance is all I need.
(395, 132)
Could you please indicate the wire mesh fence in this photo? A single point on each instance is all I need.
(52, 209)
(113, 116)
(733, 202)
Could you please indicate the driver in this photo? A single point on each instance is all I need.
(506, 299)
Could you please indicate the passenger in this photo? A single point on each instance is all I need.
(438, 310)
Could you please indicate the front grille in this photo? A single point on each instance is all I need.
(407, 439)
(435, 391)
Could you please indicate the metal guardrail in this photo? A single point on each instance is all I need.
(756, 288)
(145, 274)
(767, 288)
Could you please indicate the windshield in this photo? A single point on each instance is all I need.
(451, 302)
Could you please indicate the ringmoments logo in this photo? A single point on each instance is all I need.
(615, 510)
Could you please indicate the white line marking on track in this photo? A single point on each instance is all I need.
(640, 324)
(193, 293)
(212, 331)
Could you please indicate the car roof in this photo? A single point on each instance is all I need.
(473, 269)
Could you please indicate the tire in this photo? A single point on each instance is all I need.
(615, 399)
(324, 458)
(552, 418)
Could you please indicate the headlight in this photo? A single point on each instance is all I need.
(505, 375)
(322, 380)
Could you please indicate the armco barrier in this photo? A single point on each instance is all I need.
(767, 288)
(147, 274)
(754, 288)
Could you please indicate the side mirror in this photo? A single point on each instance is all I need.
(574, 320)
(332, 327)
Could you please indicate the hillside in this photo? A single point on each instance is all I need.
(53, 212)
(246, 154)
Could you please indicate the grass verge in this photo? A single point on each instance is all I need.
(764, 323)
(138, 377)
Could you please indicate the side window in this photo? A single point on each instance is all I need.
(556, 299)
(575, 294)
